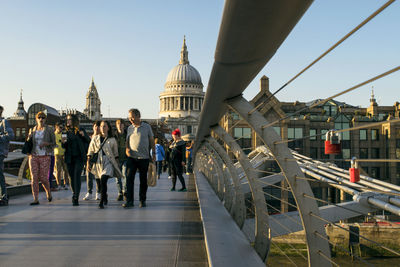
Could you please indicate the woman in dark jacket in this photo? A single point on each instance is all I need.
(76, 144)
(177, 157)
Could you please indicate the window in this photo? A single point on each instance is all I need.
(235, 116)
(343, 125)
(294, 133)
(374, 134)
(363, 153)
(363, 135)
(181, 100)
(376, 172)
(243, 138)
(189, 129)
(23, 132)
(330, 110)
(313, 132)
(277, 130)
(375, 153)
(346, 153)
(314, 152)
(18, 132)
(323, 132)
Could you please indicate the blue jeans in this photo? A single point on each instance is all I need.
(159, 165)
(121, 182)
(3, 186)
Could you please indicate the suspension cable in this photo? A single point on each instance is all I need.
(323, 101)
(326, 52)
(328, 258)
(284, 253)
(284, 214)
(276, 186)
(369, 125)
(345, 208)
(290, 204)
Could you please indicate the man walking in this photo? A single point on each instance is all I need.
(139, 141)
(6, 134)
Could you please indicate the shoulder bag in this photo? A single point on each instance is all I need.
(93, 159)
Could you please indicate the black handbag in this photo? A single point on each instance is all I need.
(28, 146)
(93, 159)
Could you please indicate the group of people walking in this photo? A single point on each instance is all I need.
(103, 155)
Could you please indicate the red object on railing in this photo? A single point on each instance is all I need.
(332, 148)
(332, 143)
(354, 171)
(354, 175)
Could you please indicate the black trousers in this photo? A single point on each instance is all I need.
(75, 171)
(103, 187)
(177, 171)
(133, 165)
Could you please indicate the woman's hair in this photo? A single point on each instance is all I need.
(110, 129)
(156, 140)
(75, 121)
(97, 123)
(40, 114)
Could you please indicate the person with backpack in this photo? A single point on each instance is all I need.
(160, 156)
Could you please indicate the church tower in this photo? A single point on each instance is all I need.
(93, 103)
(20, 113)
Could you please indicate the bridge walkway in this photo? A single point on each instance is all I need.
(168, 232)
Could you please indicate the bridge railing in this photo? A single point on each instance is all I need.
(250, 34)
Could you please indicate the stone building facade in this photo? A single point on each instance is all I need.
(310, 126)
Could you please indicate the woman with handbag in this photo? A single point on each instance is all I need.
(102, 159)
(75, 145)
(43, 143)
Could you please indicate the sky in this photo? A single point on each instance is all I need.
(52, 49)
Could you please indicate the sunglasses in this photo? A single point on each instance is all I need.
(43, 118)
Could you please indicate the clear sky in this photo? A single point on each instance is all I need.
(51, 49)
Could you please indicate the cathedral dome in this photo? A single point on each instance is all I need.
(184, 73)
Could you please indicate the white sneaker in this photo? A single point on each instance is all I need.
(98, 196)
(169, 177)
(88, 196)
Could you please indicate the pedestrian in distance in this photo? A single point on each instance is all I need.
(189, 161)
(75, 143)
(160, 156)
(90, 176)
(60, 166)
(6, 135)
(177, 156)
(120, 136)
(107, 161)
(43, 141)
(139, 141)
(168, 158)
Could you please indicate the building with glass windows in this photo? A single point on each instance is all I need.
(308, 128)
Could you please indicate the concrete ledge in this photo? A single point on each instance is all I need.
(226, 244)
(26, 188)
